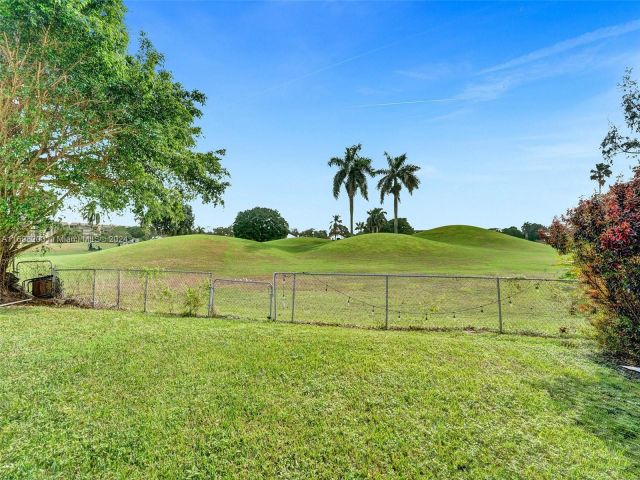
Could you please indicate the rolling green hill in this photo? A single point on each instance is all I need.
(478, 237)
(451, 249)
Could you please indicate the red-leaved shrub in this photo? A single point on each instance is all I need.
(603, 234)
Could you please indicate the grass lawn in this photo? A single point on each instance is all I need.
(63, 249)
(452, 249)
(102, 394)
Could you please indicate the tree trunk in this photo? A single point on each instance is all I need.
(5, 264)
(395, 214)
(351, 214)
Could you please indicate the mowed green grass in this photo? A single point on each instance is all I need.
(103, 394)
(453, 249)
(62, 249)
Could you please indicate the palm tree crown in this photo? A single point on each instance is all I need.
(600, 174)
(398, 174)
(90, 214)
(335, 227)
(376, 220)
(352, 174)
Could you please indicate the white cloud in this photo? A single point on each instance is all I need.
(428, 72)
(566, 45)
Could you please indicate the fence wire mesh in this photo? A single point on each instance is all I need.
(431, 302)
(242, 298)
(169, 292)
(547, 307)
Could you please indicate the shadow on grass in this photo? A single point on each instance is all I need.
(606, 405)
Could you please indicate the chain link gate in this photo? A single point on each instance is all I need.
(242, 298)
(173, 292)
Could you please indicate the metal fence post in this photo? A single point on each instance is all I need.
(146, 291)
(211, 294)
(93, 291)
(118, 289)
(499, 305)
(275, 296)
(293, 299)
(54, 282)
(386, 302)
(272, 301)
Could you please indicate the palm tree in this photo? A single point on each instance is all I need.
(600, 174)
(398, 174)
(361, 227)
(336, 227)
(352, 173)
(91, 215)
(376, 220)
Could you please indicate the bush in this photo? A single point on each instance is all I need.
(603, 234)
(136, 232)
(223, 231)
(403, 227)
(313, 233)
(260, 224)
(513, 232)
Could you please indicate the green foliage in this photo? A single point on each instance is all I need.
(90, 214)
(512, 231)
(603, 235)
(600, 174)
(223, 231)
(260, 224)
(616, 142)
(180, 222)
(337, 229)
(397, 175)
(136, 232)
(193, 301)
(403, 227)
(313, 233)
(352, 175)
(376, 220)
(131, 127)
(531, 231)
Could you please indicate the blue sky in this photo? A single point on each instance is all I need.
(503, 105)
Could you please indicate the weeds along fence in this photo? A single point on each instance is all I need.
(430, 302)
(510, 305)
(167, 292)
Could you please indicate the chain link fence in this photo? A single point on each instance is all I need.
(166, 291)
(432, 302)
(429, 302)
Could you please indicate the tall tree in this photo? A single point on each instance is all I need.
(531, 231)
(398, 174)
(91, 214)
(82, 118)
(171, 225)
(600, 174)
(376, 219)
(336, 227)
(615, 142)
(352, 174)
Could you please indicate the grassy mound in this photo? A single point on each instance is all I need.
(478, 237)
(453, 249)
(98, 394)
